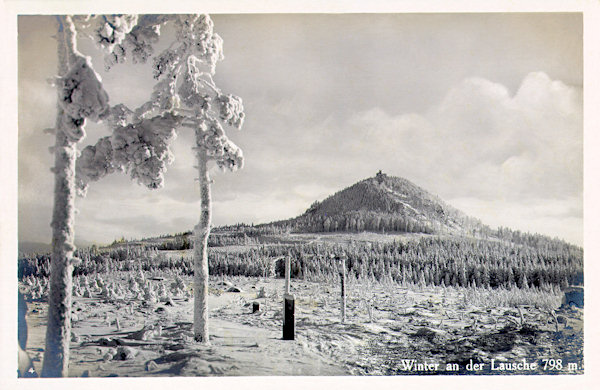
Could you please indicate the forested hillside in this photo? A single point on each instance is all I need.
(382, 204)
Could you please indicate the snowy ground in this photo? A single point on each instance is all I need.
(390, 330)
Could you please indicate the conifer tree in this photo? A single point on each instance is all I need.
(185, 96)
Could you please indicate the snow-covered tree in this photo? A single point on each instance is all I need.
(185, 96)
(81, 96)
(186, 72)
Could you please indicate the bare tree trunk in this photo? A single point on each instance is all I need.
(58, 331)
(201, 232)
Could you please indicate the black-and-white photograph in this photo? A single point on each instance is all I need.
(300, 194)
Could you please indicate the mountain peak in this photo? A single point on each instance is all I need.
(382, 203)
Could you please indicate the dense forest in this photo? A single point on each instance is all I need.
(435, 261)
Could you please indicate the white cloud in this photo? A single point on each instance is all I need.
(481, 141)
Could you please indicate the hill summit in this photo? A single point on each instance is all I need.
(382, 204)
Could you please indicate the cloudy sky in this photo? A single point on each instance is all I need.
(483, 110)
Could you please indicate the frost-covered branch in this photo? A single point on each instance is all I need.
(139, 143)
(95, 162)
(125, 36)
(140, 149)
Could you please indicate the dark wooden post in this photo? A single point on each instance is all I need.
(288, 306)
(343, 289)
(288, 318)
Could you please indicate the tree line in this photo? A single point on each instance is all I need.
(436, 261)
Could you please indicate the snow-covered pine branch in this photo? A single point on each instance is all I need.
(142, 149)
(139, 148)
(231, 110)
(114, 29)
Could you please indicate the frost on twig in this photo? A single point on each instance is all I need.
(163, 99)
(206, 43)
(192, 90)
(118, 116)
(140, 40)
(232, 158)
(166, 62)
(111, 33)
(195, 36)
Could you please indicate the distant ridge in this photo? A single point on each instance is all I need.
(381, 204)
(30, 247)
(34, 247)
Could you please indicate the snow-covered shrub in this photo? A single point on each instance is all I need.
(133, 286)
(100, 284)
(149, 294)
(178, 286)
(140, 277)
(162, 292)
